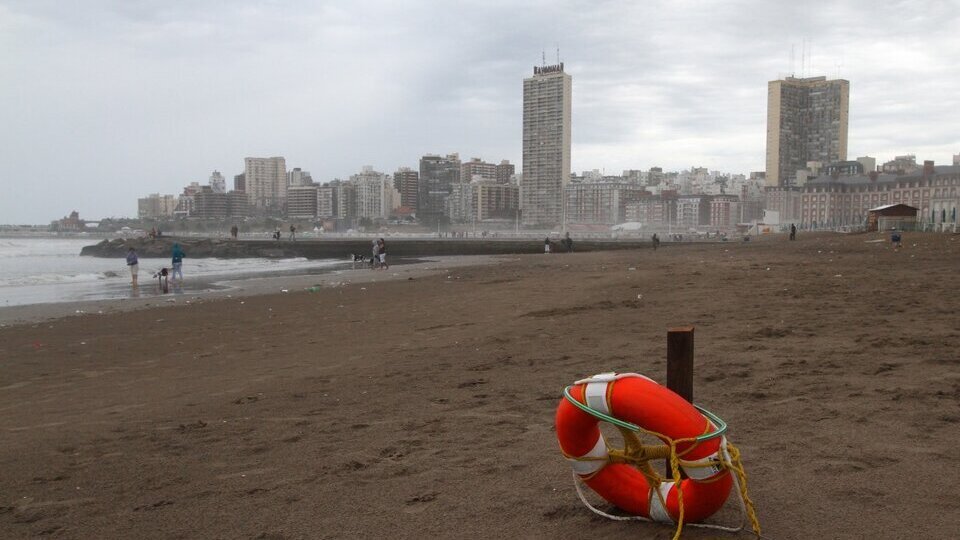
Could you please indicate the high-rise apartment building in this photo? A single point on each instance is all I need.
(505, 170)
(376, 197)
(407, 182)
(546, 145)
(437, 176)
(806, 121)
(266, 182)
(476, 167)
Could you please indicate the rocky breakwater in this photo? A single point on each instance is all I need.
(339, 248)
(195, 248)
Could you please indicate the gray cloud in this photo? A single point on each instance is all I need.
(103, 102)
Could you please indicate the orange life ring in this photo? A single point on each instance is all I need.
(636, 399)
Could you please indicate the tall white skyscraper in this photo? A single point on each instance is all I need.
(546, 145)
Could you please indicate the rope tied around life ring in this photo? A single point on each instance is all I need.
(639, 455)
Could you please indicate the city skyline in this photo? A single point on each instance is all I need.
(118, 100)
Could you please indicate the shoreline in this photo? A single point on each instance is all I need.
(252, 285)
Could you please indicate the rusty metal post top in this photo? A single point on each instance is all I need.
(679, 329)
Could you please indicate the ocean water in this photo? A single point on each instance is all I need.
(44, 270)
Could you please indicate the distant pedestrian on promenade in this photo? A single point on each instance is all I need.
(293, 233)
(793, 231)
(133, 263)
(234, 231)
(276, 234)
(656, 241)
(375, 252)
(567, 243)
(177, 260)
(383, 255)
(546, 245)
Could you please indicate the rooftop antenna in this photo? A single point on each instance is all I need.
(543, 57)
(558, 54)
(803, 58)
(793, 46)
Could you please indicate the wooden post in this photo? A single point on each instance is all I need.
(680, 361)
(680, 366)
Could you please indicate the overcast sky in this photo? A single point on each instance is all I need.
(102, 102)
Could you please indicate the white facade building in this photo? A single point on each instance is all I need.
(266, 182)
(218, 183)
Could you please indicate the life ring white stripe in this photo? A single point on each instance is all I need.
(599, 451)
(596, 395)
(658, 512)
(703, 473)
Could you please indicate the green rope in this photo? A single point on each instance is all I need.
(716, 420)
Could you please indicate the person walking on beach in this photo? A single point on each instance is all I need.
(293, 233)
(133, 263)
(383, 255)
(546, 245)
(375, 258)
(656, 241)
(234, 231)
(793, 231)
(567, 243)
(177, 260)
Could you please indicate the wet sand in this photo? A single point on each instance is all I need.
(423, 406)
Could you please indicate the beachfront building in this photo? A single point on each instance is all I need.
(298, 177)
(407, 182)
(497, 201)
(806, 121)
(156, 206)
(601, 201)
(546, 145)
(302, 202)
(327, 202)
(482, 200)
(376, 198)
(238, 204)
(475, 169)
(657, 212)
(693, 211)
(724, 212)
(345, 195)
(461, 203)
(785, 201)
(438, 174)
(217, 182)
(266, 183)
(841, 201)
(209, 204)
(505, 171)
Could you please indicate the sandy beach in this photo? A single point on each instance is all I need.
(422, 406)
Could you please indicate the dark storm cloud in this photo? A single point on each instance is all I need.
(106, 101)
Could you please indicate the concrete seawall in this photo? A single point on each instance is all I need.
(341, 248)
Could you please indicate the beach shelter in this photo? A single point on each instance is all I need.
(892, 216)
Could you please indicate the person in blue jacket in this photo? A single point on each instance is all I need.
(177, 260)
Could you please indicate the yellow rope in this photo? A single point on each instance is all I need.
(639, 455)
